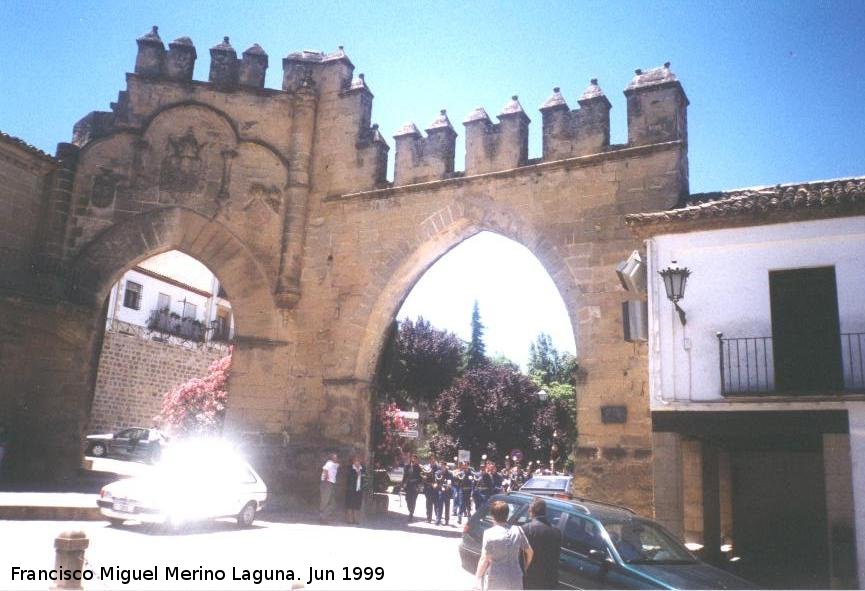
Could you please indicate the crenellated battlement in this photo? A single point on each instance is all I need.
(497, 146)
(419, 158)
(657, 108)
(177, 64)
(656, 113)
(568, 133)
(341, 102)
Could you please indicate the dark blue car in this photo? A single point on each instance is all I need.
(606, 547)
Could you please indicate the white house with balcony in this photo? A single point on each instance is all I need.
(757, 378)
(172, 296)
(167, 321)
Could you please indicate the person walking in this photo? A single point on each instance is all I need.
(353, 492)
(411, 480)
(445, 480)
(483, 486)
(503, 546)
(328, 484)
(466, 485)
(497, 478)
(431, 490)
(546, 542)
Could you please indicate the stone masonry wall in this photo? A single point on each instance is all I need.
(22, 175)
(134, 373)
(282, 193)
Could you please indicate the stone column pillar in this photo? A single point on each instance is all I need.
(839, 510)
(297, 199)
(667, 472)
(711, 505)
(856, 418)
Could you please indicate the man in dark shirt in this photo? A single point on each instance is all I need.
(444, 479)
(546, 541)
(431, 490)
(411, 481)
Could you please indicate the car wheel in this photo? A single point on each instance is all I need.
(115, 522)
(246, 515)
(97, 450)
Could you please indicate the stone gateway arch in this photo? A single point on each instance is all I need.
(283, 195)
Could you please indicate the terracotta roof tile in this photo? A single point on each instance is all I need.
(24, 145)
(759, 200)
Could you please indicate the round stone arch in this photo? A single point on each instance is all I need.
(435, 237)
(104, 260)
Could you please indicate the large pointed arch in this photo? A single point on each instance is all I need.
(435, 237)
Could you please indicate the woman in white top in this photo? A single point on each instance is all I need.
(500, 552)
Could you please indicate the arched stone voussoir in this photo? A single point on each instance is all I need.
(104, 260)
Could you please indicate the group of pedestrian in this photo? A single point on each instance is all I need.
(353, 490)
(452, 490)
(512, 556)
(519, 557)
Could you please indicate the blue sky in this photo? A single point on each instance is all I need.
(777, 89)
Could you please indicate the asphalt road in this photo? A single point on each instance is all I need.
(416, 556)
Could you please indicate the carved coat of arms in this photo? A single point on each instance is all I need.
(182, 169)
(104, 188)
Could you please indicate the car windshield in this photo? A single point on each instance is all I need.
(639, 541)
(547, 483)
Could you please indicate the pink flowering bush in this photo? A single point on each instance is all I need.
(387, 443)
(197, 407)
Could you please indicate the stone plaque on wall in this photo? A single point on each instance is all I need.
(614, 414)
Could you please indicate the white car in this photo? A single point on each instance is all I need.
(187, 487)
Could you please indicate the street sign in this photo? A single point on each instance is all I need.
(516, 455)
(410, 419)
(464, 455)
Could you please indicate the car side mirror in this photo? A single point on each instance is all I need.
(600, 556)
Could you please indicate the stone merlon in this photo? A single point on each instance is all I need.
(497, 146)
(657, 107)
(580, 132)
(419, 158)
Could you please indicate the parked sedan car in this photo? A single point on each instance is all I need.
(135, 443)
(605, 547)
(187, 487)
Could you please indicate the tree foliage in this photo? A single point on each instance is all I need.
(197, 407)
(548, 365)
(491, 410)
(476, 354)
(418, 362)
(555, 373)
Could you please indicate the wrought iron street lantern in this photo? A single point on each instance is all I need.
(675, 279)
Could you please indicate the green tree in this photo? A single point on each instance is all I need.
(491, 410)
(418, 362)
(555, 373)
(547, 365)
(476, 354)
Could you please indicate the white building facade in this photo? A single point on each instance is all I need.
(175, 295)
(758, 398)
(167, 321)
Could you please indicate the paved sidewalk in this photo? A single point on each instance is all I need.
(49, 506)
